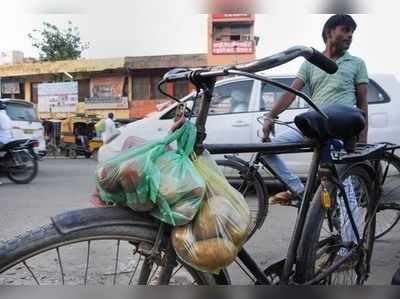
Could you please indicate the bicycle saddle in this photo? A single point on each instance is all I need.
(344, 123)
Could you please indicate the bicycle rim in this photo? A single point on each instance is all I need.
(97, 256)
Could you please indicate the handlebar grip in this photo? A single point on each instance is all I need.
(323, 62)
(176, 74)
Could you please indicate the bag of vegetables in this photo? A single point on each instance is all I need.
(151, 178)
(212, 241)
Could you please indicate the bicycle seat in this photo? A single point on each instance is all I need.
(344, 123)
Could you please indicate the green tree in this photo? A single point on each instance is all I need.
(58, 44)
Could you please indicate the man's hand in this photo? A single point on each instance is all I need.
(178, 122)
(268, 128)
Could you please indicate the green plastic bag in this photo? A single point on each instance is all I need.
(152, 179)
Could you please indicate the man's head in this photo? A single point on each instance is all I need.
(338, 31)
(111, 115)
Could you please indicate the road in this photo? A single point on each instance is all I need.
(65, 184)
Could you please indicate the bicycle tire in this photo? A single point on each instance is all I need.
(312, 242)
(388, 215)
(259, 209)
(40, 243)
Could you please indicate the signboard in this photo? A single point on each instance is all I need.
(10, 87)
(230, 15)
(107, 93)
(58, 97)
(233, 47)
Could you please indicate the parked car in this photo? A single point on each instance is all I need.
(228, 124)
(25, 122)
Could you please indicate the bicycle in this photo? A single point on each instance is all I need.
(139, 234)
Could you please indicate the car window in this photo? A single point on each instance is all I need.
(271, 93)
(229, 98)
(21, 112)
(376, 94)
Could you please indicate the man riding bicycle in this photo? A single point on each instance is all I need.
(349, 86)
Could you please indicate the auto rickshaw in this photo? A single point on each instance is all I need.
(52, 135)
(79, 137)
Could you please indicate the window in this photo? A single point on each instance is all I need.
(271, 93)
(83, 90)
(231, 32)
(376, 94)
(229, 98)
(155, 93)
(21, 112)
(141, 88)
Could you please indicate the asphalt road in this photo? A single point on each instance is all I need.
(65, 184)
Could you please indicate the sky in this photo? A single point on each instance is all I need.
(136, 28)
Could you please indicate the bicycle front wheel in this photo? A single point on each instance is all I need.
(112, 253)
(328, 236)
(252, 188)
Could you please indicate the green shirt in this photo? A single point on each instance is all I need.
(339, 88)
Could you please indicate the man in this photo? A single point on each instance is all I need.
(110, 128)
(347, 86)
(5, 127)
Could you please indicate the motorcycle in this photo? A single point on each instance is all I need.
(19, 161)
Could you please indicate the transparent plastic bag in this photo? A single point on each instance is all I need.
(212, 241)
(151, 178)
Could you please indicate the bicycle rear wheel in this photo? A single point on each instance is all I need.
(324, 241)
(110, 253)
(252, 188)
(388, 214)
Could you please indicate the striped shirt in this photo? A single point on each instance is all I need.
(338, 88)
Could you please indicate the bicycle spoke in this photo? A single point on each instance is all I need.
(61, 266)
(30, 271)
(176, 271)
(245, 271)
(134, 270)
(153, 274)
(116, 263)
(87, 263)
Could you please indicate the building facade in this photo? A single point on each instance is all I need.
(126, 86)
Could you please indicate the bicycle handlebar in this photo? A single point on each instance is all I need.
(247, 69)
(312, 55)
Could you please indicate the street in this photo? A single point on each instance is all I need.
(66, 184)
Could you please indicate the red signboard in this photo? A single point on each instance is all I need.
(233, 47)
(230, 15)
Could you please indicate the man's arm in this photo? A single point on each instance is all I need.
(286, 99)
(362, 103)
(278, 107)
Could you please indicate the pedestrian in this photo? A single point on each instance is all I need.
(110, 128)
(6, 134)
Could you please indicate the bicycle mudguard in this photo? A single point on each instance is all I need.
(77, 220)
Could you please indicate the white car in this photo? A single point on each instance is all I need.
(25, 122)
(227, 123)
